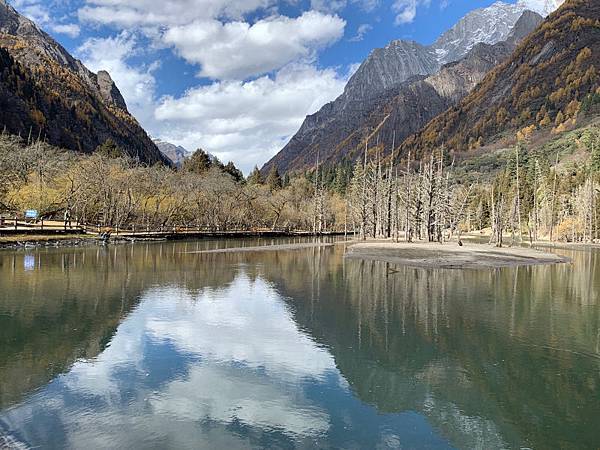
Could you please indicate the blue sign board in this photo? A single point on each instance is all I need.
(31, 214)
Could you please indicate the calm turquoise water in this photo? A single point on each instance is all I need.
(151, 346)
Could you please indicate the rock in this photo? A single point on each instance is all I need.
(109, 91)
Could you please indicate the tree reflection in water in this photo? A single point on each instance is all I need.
(149, 343)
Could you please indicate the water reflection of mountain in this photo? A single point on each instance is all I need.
(204, 363)
(57, 306)
(50, 318)
(490, 356)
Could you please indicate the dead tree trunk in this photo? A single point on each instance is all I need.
(553, 200)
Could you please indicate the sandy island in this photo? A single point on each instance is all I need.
(451, 255)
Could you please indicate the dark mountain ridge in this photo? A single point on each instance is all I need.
(46, 93)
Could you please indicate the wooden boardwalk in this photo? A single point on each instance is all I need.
(181, 235)
(56, 228)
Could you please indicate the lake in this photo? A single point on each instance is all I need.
(151, 345)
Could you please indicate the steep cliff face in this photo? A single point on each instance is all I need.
(387, 67)
(528, 22)
(486, 25)
(49, 94)
(455, 80)
(109, 92)
(392, 75)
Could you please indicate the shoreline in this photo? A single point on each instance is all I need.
(451, 255)
(419, 254)
(268, 248)
(28, 241)
(23, 241)
(579, 246)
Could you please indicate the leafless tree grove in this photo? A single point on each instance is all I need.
(384, 196)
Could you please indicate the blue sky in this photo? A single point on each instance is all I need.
(235, 77)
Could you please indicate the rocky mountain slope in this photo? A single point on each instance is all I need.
(46, 93)
(176, 153)
(485, 25)
(335, 130)
(375, 105)
(488, 26)
(550, 80)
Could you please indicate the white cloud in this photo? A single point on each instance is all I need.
(339, 5)
(248, 122)
(238, 50)
(367, 5)
(227, 396)
(361, 32)
(273, 352)
(71, 29)
(34, 10)
(328, 5)
(39, 12)
(164, 13)
(243, 358)
(214, 320)
(406, 10)
(245, 122)
(352, 69)
(238, 117)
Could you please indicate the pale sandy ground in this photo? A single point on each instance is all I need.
(267, 248)
(451, 255)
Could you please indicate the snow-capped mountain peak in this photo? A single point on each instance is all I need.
(486, 25)
(542, 7)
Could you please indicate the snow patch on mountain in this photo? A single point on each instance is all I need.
(542, 7)
(486, 25)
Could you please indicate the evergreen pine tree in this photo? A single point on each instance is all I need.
(274, 179)
(255, 177)
(235, 173)
(110, 149)
(596, 156)
(198, 163)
